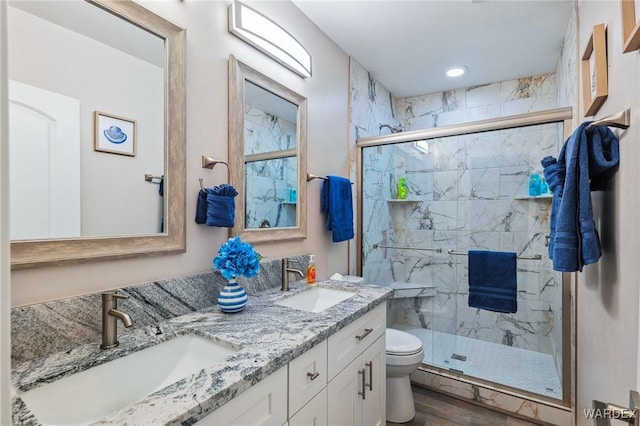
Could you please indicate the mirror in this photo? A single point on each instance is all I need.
(97, 131)
(267, 150)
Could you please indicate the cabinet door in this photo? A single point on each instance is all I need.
(314, 413)
(343, 401)
(374, 403)
(263, 404)
(351, 341)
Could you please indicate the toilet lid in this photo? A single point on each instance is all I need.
(402, 343)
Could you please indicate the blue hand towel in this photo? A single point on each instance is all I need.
(336, 203)
(585, 163)
(201, 208)
(493, 281)
(221, 207)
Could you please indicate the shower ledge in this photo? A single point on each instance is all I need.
(406, 290)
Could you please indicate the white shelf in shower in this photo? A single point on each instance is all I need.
(395, 200)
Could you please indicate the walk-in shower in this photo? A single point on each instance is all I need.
(468, 189)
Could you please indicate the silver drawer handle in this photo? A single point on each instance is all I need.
(362, 393)
(313, 376)
(370, 365)
(367, 331)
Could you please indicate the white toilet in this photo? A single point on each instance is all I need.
(404, 355)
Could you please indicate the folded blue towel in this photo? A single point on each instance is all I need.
(221, 207)
(493, 281)
(336, 201)
(201, 208)
(585, 163)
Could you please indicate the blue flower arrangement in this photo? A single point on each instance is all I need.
(235, 258)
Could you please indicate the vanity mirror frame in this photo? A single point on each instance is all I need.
(238, 74)
(35, 253)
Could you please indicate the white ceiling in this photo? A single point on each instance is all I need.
(407, 45)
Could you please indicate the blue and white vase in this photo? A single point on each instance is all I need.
(232, 297)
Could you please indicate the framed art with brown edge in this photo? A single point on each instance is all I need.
(594, 71)
(114, 134)
(630, 25)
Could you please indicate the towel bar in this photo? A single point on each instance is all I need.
(460, 253)
(438, 250)
(311, 176)
(621, 120)
(150, 178)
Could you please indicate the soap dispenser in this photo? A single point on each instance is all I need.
(311, 271)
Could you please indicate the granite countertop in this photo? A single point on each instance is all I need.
(268, 337)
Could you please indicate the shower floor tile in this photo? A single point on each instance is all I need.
(516, 367)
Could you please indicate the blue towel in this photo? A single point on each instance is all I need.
(493, 281)
(586, 161)
(336, 202)
(201, 208)
(221, 207)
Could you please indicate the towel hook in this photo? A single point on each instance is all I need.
(201, 185)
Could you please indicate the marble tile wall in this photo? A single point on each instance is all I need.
(59, 325)
(269, 183)
(535, 93)
(463, 191)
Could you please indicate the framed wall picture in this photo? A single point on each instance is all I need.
(594, 71)
(114, 134)
(630, 25)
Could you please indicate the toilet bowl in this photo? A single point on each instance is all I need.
(404, 354)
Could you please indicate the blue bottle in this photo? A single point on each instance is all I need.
(544, 186)
(534, 185)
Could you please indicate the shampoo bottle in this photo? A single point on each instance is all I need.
(311, 271)
(402, 188)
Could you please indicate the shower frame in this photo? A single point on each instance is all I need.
(559, 115)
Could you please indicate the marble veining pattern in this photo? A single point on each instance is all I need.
(268, 336)
(466, 191)
(43, 329)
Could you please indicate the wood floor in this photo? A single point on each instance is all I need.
(435, 409)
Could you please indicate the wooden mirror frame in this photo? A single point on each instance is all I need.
(33, 253)
(238, 74)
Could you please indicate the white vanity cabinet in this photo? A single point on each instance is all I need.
(357, 372)
(263, 404)
(340, 381)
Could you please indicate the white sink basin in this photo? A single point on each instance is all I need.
(315, 300)
(94, 393)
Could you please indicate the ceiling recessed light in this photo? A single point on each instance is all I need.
(456, 71)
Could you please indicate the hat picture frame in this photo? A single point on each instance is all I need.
(114, 134)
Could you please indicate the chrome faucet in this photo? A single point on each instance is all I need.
(110, 317)
(285, 273)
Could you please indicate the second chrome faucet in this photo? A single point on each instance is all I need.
(285, 273)
(110, 317)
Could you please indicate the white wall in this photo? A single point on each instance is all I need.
(115, 199)
(607, 292)
(208, 47)
(5, 283)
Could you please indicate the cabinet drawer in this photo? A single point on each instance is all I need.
(314, 413)
(307, 376)
(348, 343)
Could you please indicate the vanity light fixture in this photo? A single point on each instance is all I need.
(456, 71)
(268, 37)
